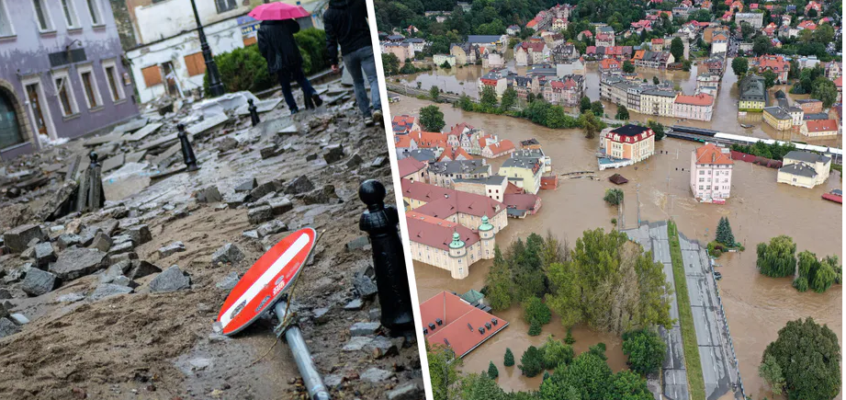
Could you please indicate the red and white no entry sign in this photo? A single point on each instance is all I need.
(266, 280)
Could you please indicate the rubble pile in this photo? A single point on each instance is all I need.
(122, 299)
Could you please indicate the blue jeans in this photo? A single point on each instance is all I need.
(285, 77)
(355, 62)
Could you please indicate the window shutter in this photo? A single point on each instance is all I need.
(152, 75)
(195, 63)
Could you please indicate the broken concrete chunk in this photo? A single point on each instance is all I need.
(271, 228)
(233, 200)
(171, 280)
(299, 185)
(268, 151)
(105, 290)
(281, 206)
(356, 343)
(262, 190)
(38, 282)
(354, 161)
(334, 153)
(229, 253)
(354, 305)
(378, 162)
(17, 239)
(364, 328)
(140, 234)
(66, 240)
(75, 263)
(44, 254)
(140, 269)
(365, 286)
(408, 391)
(209, 194)
(228, 282)
(246, 186)
(86, 237)
(321, 196)
(260, 214)
(251, 234)
(172, 248)
(115, 271)
(376, 375)
(321, 315)
(381, 347)
(7, 327)
(120, 248)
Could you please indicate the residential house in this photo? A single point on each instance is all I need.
(565, 53)
(416, 43)
(440, 59)
(657, 44)
(559, 24)
(493, 60)
(568, 91)
(818, 128)
(576, 67)
(627, 145)
(525, 173)
(465, 53)
(710, 173)
(832, 69)
(493, 186)
(807, 24)
(756, 19)
(494, 149)
(444, 172)
(456, 153)
(413, 170)
(605, 39)
(804, 169)
(610, 66)
(403, 51)
(753, 93)
(489, 42)
(497, 79)
(719, 44)
(531, 53)
(658, 102)
(404, 124)
(585, 35)
(778, 118)
(61, 73)
(698, 107)
(653, 59)
(545, 160)
(513, 30)
(519, 205)
(813, 5)
(777, 64)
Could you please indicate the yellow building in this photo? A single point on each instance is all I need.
(466, 209)
(778, 118)
(753, 94)
(657, 102)
(804, 169)
(430, 243)
(525, 173)
(630, 142)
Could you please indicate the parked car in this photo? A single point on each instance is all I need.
(718, 276)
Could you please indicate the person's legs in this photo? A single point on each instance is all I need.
(308, 91)
(368, 63)
(353, 63)
(285, 82)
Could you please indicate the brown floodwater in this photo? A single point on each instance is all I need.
(759, 209)
(725, 116)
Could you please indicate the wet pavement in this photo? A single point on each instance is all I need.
(759, 209)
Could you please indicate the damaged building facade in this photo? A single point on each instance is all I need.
(61, 72)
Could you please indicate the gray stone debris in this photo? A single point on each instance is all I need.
(233, 200)
(358, 243)
(228, 282)
(354, 305)
(7, 327)
(139, 269)
(101, 242)
(87, 235)
(44, 254)
(75, 263)
(299, 185)
(246, 186)
(381, 347)
(120, 248)
(19, 318)
(115, 271)
(259, 214)
(262, 190)
(354, 161)
(321, 315)
(105, 290)
(375, 314)
(364, 328)
(18, 239)
(271, 228)
(356, 343)
(333, 381)
(209, 194)
(364, 286)
(38, 282)
(408, 391)
(321, 196)
(334, 153)
(66, 240)
(376, 375)
(378, 162)
(171, 280)
(251, 234)
(229, 253)
(70, 298)
(172, 248)
(140, 234)
(280, 205)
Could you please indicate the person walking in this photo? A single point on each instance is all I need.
(346, 25)
(277, 45)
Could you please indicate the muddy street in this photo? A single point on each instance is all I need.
(726, 118)
(111, 332)
(757, 306)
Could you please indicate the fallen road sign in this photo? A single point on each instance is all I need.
(266, 281)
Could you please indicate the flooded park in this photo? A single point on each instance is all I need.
(759, 209)
(726, 119)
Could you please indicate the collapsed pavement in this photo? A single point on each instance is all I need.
(120, 301)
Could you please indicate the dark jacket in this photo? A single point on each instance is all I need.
(277, 45)
(345, 23)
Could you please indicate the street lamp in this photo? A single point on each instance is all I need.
(215, 85)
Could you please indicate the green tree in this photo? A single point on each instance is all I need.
(724, 234)
(778, 259)
(589, 374)
(466, 103)
(613, 197)
(556, 353)
(761, 45)
(746, 30)
(825, 91)
(480, 387)
(432, 118)
(569, 339)
(584, 104)
(390, 63)
(443, 371)
(628, 67)
(498, 282)
(509, 99)
(446, 65)
(610, 284)
(801, 284)
(590, 124)
(808, 355)
(434, 92)
(740, 66)
(770, 78)
(534, 328)
(488, 100)
(645, 350)
(824, 277)
(655, 80)
(509, 358)
(677, 48)
(597, 108)
(627, 385)
(493, 373)
(824, 34)
(658, 128)
(622, 113)
(771, 372)
(535, 310)
(532, 362)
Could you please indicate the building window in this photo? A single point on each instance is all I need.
(6, 28)
(112, 77)
(94, 10)
(42, 15)
(89, 86)
(225, 5)
(70, 14)
(64, 91)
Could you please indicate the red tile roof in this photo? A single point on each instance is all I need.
(436, 232)
(657, 41)
(443, 203)
(460, 323)
(701, 99)
(710, 154)
(524, 201)
(409, 165)
(776, 63)
(513, 189)
(609, 63)
(502, 147)
(822, 125)
(452, 153)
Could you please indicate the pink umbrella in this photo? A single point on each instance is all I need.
(278, 11)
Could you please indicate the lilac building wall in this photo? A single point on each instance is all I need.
(26, 55)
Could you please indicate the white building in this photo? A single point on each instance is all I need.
(439, 59)
(710, 173)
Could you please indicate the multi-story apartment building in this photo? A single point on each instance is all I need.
(778, 118)
(61, 73)
(523, 172)
(443, 173)
(751, 18)
(626, 145)
(698, 107)
(657, 102)
(710, 173)
(567, 91)
(753, 94)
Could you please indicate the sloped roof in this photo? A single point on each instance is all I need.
(409, 165)
(710, 154)
(460, 323)
(436, 232)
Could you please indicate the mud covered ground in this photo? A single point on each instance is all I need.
(162, 345)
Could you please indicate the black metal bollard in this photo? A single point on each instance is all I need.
(253, 112)
(380, 222)
(187, 151)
